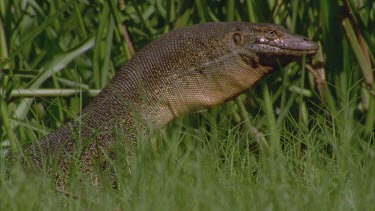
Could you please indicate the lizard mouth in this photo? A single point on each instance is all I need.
(286, 50)
(306, 51)
(281, 55)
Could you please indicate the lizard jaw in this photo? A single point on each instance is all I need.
(283, 50)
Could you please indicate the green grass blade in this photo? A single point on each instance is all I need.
(55, 65)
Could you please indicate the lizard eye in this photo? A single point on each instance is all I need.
(237, 38)
(272, 34)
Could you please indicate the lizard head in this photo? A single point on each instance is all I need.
(270, 45)
(275, 41)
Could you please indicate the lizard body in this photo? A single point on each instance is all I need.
(188, 69)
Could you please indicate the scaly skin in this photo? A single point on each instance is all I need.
(191, 68)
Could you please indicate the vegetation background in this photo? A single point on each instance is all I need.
(303, 138)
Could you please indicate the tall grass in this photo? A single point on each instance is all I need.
(303, 138)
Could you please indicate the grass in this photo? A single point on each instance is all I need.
(302, 139)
